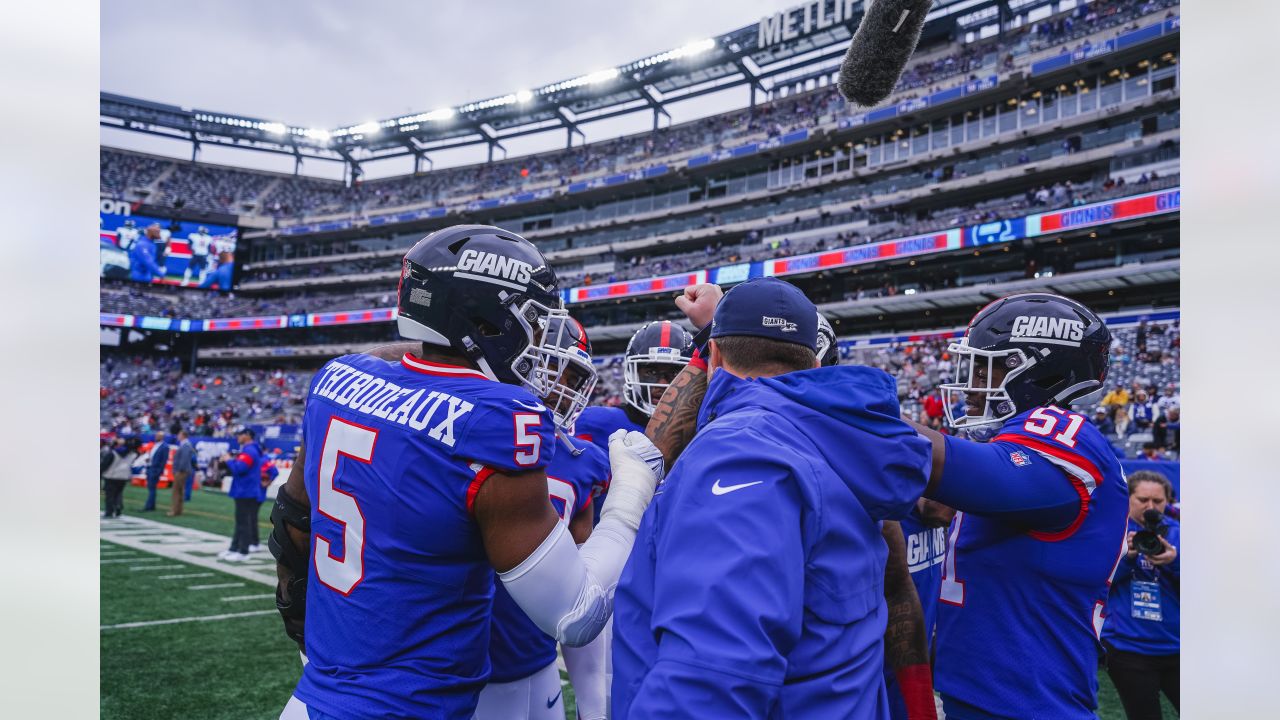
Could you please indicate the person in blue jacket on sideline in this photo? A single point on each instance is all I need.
(1141, 633)
(246, 488)
(755, 588)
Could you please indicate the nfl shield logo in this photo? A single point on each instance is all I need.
(1019, 458)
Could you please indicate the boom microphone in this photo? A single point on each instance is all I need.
(880, 49)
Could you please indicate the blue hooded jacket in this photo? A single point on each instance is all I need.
(770, 600)
(142, 260)
(246, 472)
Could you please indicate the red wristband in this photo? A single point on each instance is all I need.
(698, 361)
(916, 683)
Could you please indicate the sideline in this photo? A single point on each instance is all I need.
(195, 547)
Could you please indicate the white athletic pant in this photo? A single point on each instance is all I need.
(294, 710)
(539, 696)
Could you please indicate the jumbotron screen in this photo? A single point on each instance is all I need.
(150, 249)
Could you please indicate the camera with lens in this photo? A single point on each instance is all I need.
(1147, 540)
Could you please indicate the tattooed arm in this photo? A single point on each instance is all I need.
(906, 645)
(675, 419)
(904, 637)
(676, 416)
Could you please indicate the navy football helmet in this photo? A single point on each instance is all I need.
(828, 352)
(655, 355)
(1022, 352)
(485, 293)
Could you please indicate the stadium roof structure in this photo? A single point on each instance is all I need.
(791, 46)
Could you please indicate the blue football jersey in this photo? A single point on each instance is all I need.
(1020, 609)
(926, 549)
(597, 423)
(517, 648)
(400, 589)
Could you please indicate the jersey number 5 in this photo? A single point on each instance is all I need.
(355, 443)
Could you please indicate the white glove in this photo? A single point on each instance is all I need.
(637, 467)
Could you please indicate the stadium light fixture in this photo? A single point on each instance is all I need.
(367, 128)
(600, 76)
(523, 96)
(274, 128)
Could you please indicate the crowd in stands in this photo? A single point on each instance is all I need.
(118, 171)
(135, 299)
(142, 395)
(200, 186)
(130, 298)
(226, 190)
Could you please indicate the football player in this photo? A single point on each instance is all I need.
(200, 240)
(655, 355)
(126, 234)
(525, 683)
(1041, 519)
(427, 475)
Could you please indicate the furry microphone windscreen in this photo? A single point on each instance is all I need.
(880, 49)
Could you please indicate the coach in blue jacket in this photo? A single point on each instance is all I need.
(246, 485)
(755, 587)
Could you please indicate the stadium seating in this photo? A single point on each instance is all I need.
(276, 195)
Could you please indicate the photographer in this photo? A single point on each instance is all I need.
(1141, 630)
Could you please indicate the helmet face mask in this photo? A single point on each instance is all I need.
(645, 380)
(654, 356)
(975, 370)
(556, 366)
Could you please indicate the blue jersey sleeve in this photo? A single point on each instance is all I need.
(1003, 480)
(728, 604)
(507, 434)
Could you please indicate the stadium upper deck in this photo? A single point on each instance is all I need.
(1027, 37)
(1056, 129)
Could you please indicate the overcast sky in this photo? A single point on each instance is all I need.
(326, 63)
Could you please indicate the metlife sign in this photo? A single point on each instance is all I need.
(803, 19)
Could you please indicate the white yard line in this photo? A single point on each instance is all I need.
(155, 567)
(238, 598)
(184, 575)
(130, 560)
(205, 618)
(215, 586)
(195, 547)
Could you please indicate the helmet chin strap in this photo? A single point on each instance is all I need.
(484, 368)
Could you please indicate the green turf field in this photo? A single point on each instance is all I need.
(240, 667)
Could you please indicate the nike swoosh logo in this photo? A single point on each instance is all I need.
(552, 702)
(536, 408)
(718, 489)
